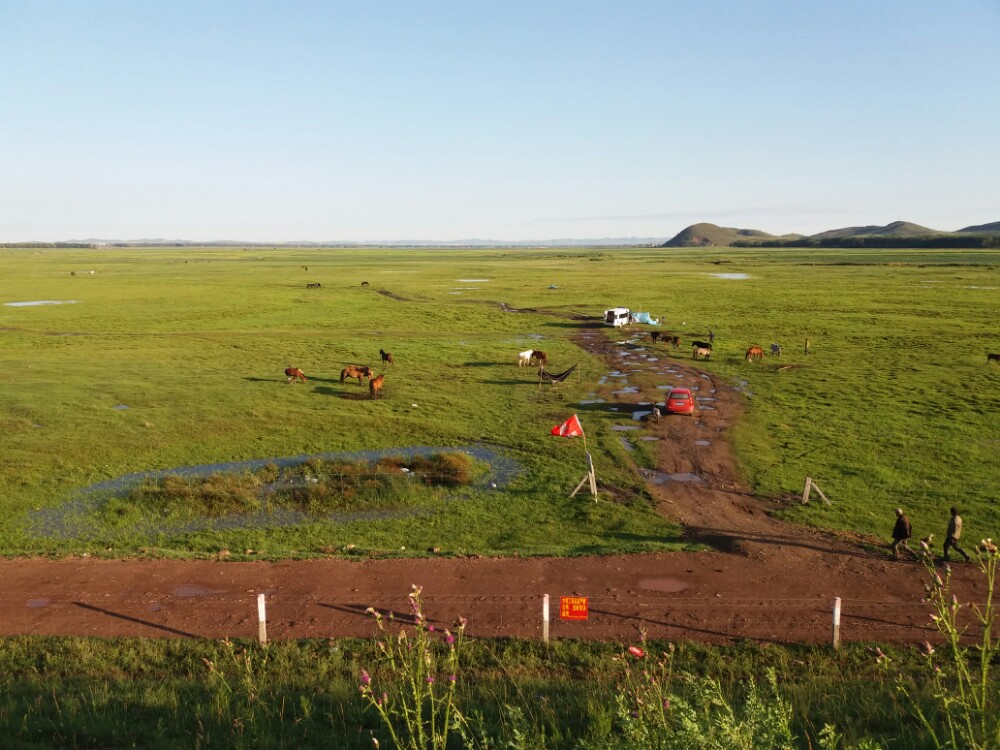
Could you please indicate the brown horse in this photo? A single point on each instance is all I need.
(356, 371)
(294, 372)
(993, 358)
(701, 352)
(675, 342)
(386, 357)
(539, 356)
(375, 386)
(754, 352)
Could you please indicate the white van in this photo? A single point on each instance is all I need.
(617, 317)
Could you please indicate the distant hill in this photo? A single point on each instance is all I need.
(895, 229)
(983, 228)
(706, 235)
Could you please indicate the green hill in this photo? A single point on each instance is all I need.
(712, 235)
(895, 229)
(983, 228)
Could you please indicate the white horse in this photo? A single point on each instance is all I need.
(701, 352)
(524, 358)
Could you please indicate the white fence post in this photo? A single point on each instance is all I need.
(836, 623)
(261, 620)
(545, 618)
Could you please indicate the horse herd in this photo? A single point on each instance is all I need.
(375, 382)
(703, 349)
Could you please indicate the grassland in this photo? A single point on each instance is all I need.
(895, 405)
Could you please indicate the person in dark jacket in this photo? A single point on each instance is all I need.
(901, 533)
(953, 535)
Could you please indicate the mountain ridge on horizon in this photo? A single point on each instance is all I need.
(705, 234)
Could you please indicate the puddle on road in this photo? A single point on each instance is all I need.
(592, 401)
(641, 415)
(649, 438)
(667, 585)
(658, 477)
(623, 427)
(193, 589)
(702, 442)
(625, 391)
(626, 444)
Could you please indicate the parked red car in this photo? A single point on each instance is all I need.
(680, 401)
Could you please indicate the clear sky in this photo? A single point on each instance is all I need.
(510, 120)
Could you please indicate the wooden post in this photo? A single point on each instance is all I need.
(805, 492)
(261, 620)
(836, 623)
(545, 618)
(825, 498)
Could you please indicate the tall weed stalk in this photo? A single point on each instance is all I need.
(962, 682)
(413, 687)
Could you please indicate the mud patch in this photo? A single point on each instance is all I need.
(666, 585)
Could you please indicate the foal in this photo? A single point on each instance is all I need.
(375, 386)
(386, 357)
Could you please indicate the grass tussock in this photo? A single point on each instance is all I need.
(315, 486)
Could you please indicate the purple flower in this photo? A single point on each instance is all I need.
(430, 680)
(452, 678)
(450, 638)
(430, 628)
(365, 677)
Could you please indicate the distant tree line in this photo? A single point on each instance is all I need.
(874, 241)
(46, 244)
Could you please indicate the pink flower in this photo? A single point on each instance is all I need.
(637, 652)
(365, 677)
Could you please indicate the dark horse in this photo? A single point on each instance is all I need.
(356, 371)
(375, 386)
(993, 358)
(386, 357)
(539, 356)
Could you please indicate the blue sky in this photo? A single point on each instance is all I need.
(378, 120)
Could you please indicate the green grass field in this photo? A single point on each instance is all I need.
(895, 405)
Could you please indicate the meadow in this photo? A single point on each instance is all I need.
(173, 358)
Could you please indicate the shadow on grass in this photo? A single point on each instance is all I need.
(487, 364)
(358, 395)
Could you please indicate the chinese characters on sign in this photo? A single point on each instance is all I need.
(573, 608)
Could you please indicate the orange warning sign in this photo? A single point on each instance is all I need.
(573, 608)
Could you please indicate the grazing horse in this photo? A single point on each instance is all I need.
(293, 373)
(524, 358)
(72, 273)
(364, 283)
(386, 357)
(539, 356)
(675, 341)
(356, 371)
(701, 352)
(993, 358)
(315, 285)
(775, 350)
(655, 336)
(375, 386)
(754, 352)
(702, 344)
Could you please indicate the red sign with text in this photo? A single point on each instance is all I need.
(573, 608)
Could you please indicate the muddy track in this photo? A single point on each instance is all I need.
(764, 579)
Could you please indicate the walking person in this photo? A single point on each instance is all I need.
(901, 533)
(953, 535)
